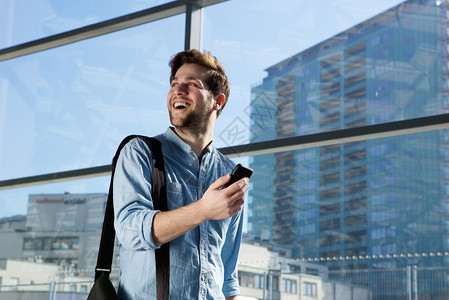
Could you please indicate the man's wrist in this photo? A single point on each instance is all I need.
(200, 211)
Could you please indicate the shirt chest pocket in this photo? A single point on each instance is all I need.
(180, 194)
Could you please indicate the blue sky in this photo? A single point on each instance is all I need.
(67, 108)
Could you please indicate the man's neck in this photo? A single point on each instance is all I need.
(197, 142)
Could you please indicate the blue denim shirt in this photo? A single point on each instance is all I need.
(203, 262)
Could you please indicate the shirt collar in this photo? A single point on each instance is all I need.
(172, 137)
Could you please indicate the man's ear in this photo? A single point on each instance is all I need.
(219, 101)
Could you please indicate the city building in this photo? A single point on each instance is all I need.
(21, 279)
(12, 231)
(57, 248)
(266, 274)
(372, 205)
(64, 229)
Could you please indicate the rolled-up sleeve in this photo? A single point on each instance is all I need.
(133, 205)
(230, 253)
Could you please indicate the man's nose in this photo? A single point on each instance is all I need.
(180, 89)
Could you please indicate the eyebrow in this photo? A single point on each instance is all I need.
(188, 78)
(204, 84)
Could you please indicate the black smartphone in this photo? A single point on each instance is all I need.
(238, 173)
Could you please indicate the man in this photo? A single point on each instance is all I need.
(204, 222)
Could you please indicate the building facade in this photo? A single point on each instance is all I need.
(265, 273)
(64, 229)
(377, 200)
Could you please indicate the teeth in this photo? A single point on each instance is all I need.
(180, 104)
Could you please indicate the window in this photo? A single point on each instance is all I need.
(355, 156)
(329, 254)
(330, 149)
(306, 214)
(330, 178)
(382, 182)
(355, 50)
(355, 188)
(294, 268)
(252, 280)
(355, 220)
(307, 229)
(383, 249)
(356, 110)
(330, 119)
(50, 243)
(312, 271)
(306, 199)
(383, 215)
(355, 64)
(351, 97)
(355, 172)
(355, 79)
(275, 283)
(378, 233)
(329, 209)
(355, 237)
(355, 251)
(355, 204)
(329, 240)
(330, 163)
(330, 193)
(330, 104)
(330, 224)
(309, 289)
(289, 286)
(330, 61)
(331, 74)
(382, 198)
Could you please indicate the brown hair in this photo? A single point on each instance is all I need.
(217, 81)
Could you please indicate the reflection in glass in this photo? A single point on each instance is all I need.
(365, 195)
(21, 22)
(71, 106)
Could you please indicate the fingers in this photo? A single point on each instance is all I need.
(239, 186)
(220, 181)
(236, 194)
(224, 203)
(237, 205)
(236, 210)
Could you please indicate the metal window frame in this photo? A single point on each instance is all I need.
(192, 9)
(418, 125)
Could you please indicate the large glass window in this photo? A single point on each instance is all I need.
(67, 108)
(330, 106)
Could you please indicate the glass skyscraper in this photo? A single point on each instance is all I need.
(366, 205)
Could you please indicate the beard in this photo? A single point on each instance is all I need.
(196, 122)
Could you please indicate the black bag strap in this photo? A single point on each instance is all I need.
(159, 195)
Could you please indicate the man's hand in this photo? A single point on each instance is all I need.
(217, 203)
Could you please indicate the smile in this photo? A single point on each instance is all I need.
(180, 104)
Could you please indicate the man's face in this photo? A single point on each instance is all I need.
(190, 103)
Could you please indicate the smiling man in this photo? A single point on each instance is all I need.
(203, 224)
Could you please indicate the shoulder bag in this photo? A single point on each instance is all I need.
(103, 288)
